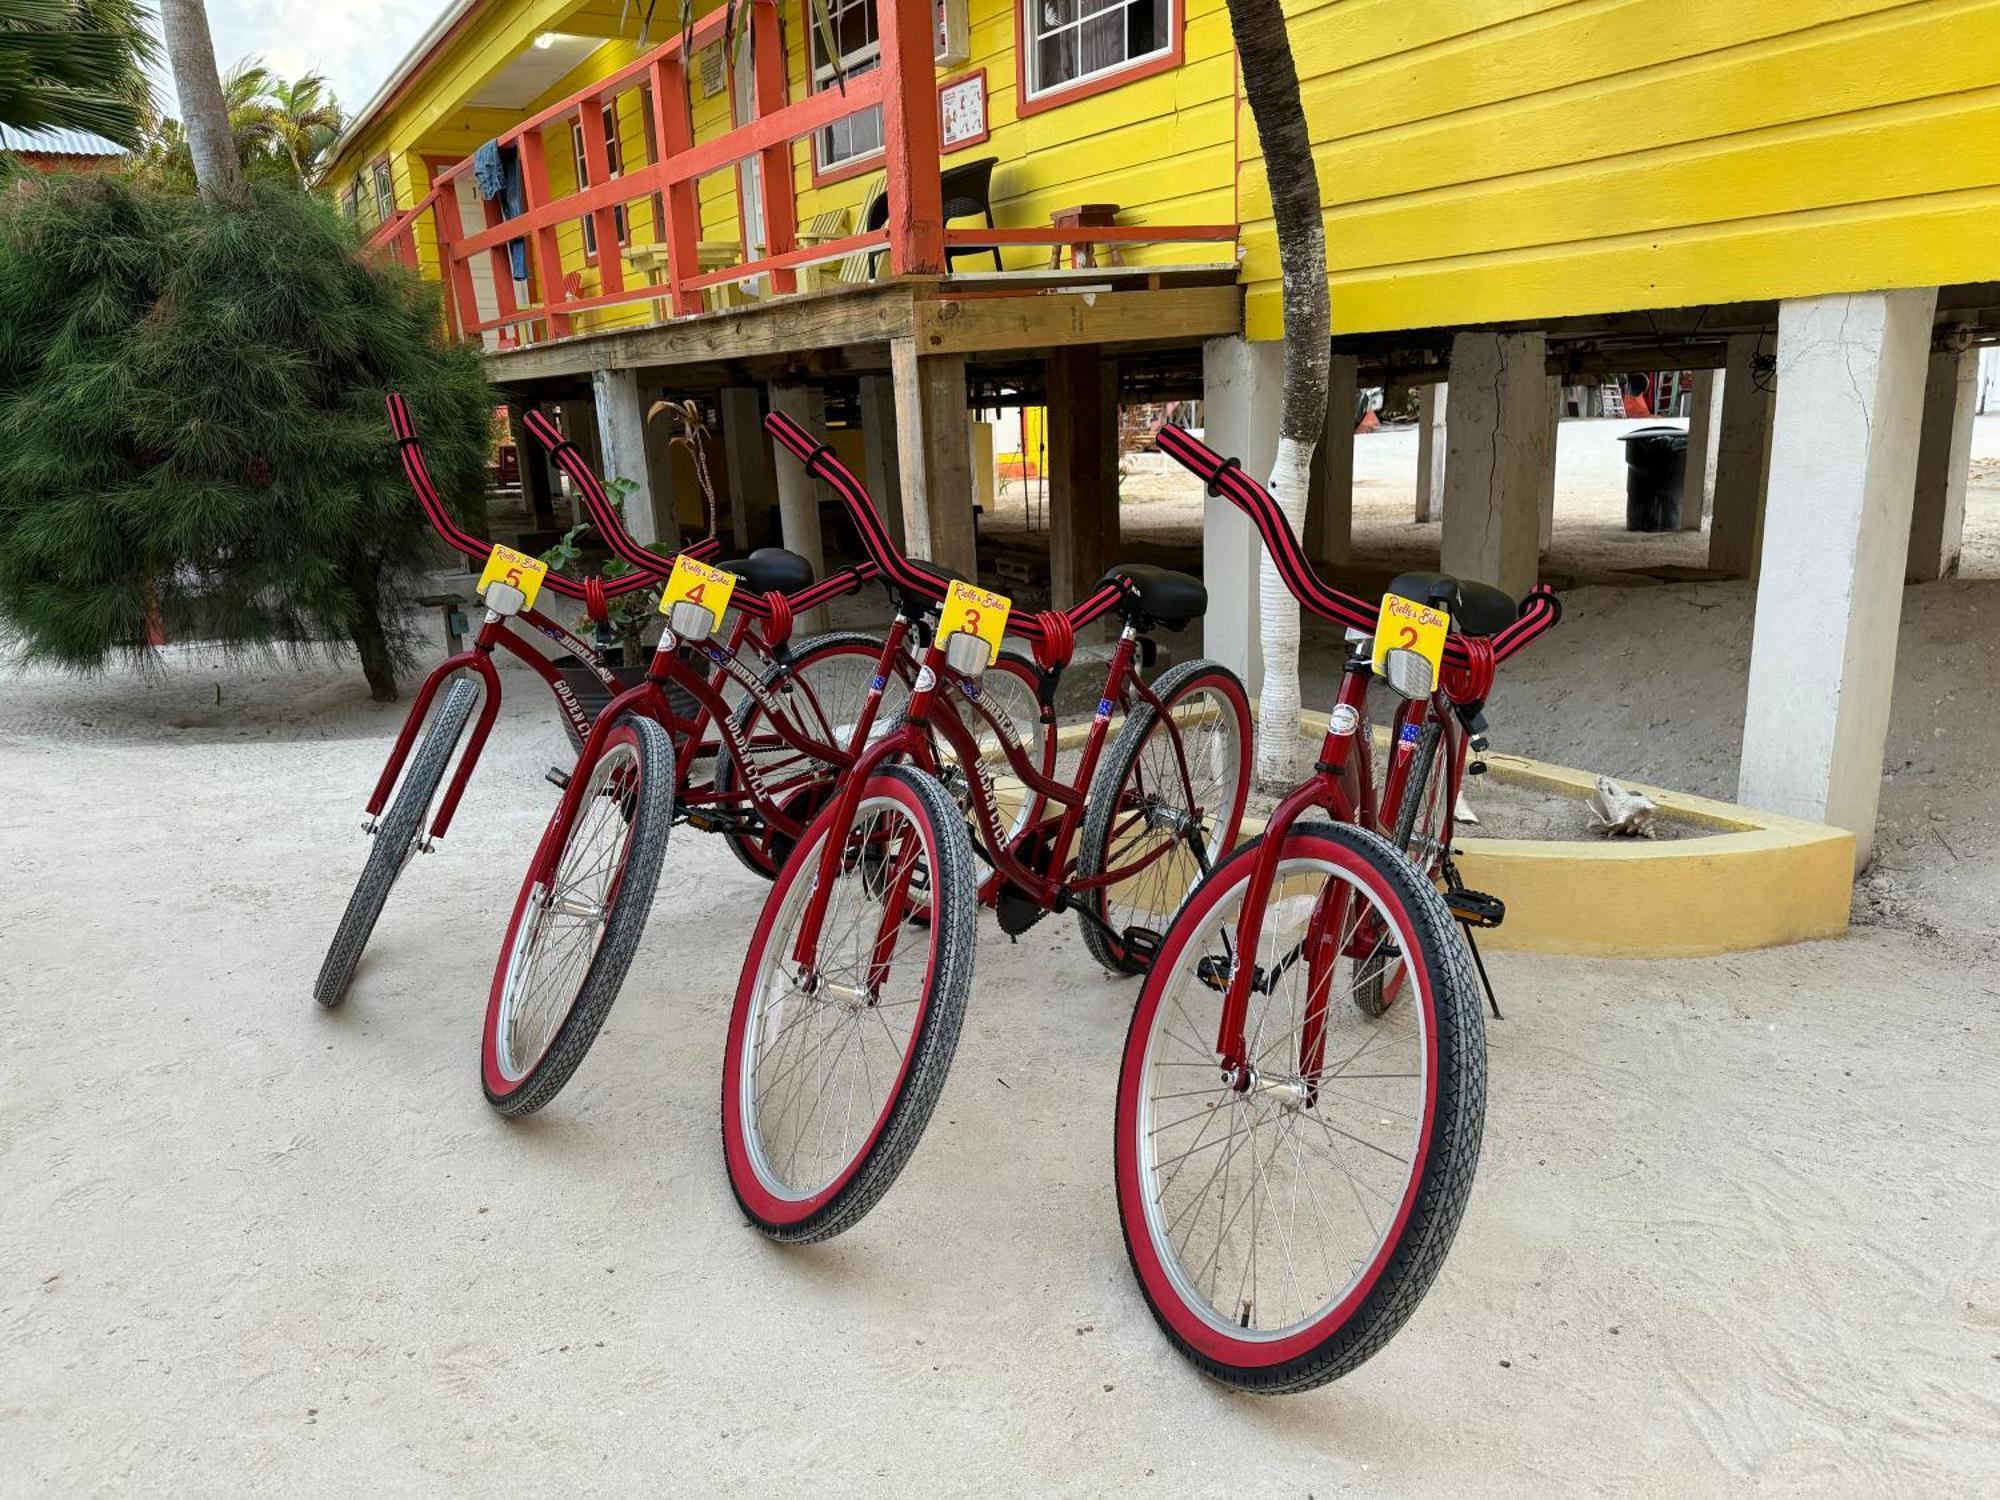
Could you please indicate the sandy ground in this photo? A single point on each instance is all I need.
(1160, 510)
(1734, 1230)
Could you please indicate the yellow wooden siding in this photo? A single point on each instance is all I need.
(1509, 159)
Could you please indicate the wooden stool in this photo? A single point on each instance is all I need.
(1083, 251)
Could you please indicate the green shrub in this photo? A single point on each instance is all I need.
(191, 425)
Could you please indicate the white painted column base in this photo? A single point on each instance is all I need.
(1850, 381)
(1242, 384)
(1944, 461)
(798, 498)
(1497, 433)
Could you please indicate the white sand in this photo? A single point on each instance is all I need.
(1734, 1231)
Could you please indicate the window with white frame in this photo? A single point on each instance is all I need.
(1075, 41)
(615, 161)
(385, 191)
(853, 27)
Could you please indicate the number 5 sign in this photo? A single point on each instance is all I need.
(1405, 625)
(516, 570)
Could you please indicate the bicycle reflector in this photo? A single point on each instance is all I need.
(967, 654)
(1408, 673)
(691, 621)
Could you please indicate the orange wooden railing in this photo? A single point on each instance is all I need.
(914, 238)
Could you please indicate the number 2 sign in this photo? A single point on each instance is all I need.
(1405, 625)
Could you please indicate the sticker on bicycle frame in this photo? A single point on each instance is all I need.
(697, 583)
(926, 680)
(1406, 625)
(1345, 719)
(516, 570)
(970, 610)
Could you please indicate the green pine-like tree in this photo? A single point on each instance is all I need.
(192, 434)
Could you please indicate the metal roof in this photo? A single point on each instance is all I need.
(57, 142)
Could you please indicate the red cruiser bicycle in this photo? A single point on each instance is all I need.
(585, 898)
(1303, 1087)
(465, 680)
(856, 981)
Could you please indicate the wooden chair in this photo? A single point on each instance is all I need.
(860, 266)
(824, 229)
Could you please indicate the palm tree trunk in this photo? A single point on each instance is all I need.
(204, 110)
(1271, 84)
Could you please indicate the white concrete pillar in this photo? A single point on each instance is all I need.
(1497, 438)
(1430, 451)
(798, 496)
(1742, 462)
(747, 448)
(1548, 499)
(1242, 383)
(1330, 502)
(1843, 473)
(1704, 425)
(621, 436)
(878, 441)
(1944, 459)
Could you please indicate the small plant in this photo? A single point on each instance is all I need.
(624, 628)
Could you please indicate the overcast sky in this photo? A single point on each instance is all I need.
(354, 43)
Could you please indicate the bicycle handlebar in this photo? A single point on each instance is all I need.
(1053, 631)
(651, 566)
(1539, 612)
(446, 525)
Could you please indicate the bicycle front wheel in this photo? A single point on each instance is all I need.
(1285, 1220)
(578, 920)
(830, 1075)
(397, 838)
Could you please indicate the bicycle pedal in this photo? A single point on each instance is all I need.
(1476, 908)
(1142, 944)
(558, 778)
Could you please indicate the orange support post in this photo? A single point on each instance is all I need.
(673, 127)
(547, 259)
(501, 259)
(767, 40)
(461, 307)
(910, 136)
(597, 162)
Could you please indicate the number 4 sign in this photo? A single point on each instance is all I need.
(697, 583)
(1405, 625)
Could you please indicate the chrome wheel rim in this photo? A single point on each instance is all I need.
(567, 915)
(823, 1055)
(1267, 1205)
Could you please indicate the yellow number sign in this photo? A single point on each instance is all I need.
(698, 583)
(517, 569)
(1406, 625)
(971, 610)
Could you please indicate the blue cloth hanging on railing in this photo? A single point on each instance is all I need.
(496, 169)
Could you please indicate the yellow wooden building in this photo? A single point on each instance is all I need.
(904, 212)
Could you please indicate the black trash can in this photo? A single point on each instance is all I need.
(1655, 472)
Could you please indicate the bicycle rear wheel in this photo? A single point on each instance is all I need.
(578, 919)
(1423, 834)
(397, 837)
(821, 689)
(829, 1078)
(1283, 1223)
(1165, 805)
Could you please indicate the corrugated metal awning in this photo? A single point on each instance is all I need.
(57, 143)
